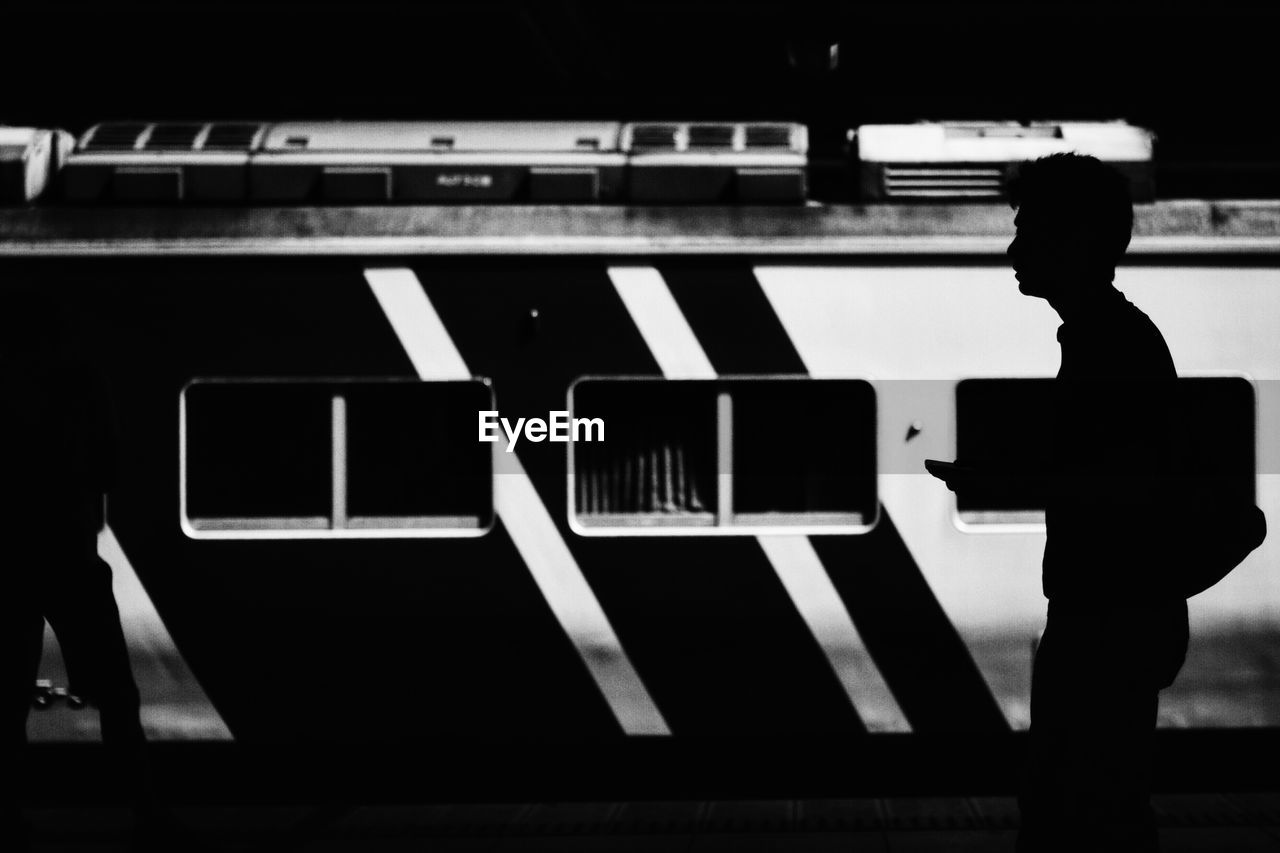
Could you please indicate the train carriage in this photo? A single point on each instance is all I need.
(337, 558)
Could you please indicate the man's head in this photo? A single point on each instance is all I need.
(1074, 220)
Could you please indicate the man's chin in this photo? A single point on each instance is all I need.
(1029, 289)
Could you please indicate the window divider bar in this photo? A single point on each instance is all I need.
(339, 461)
(724, 459)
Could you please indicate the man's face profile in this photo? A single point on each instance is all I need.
(1045, 258)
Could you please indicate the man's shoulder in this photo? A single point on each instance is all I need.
(1155, 348)
(1137, 344)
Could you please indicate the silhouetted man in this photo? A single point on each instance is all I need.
(1116, 632)
(58, 462)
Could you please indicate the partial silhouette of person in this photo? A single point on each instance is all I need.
(59, 461)
(1116, 631)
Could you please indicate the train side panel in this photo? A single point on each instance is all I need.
(535, 632)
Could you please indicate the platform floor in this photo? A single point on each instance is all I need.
(1210, 822)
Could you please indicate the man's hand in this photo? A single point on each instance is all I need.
(957, 478)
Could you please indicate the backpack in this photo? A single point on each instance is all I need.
(1208, 548)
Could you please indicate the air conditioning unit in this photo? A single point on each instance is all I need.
(939, 161)
(713, 162)
(156, 162)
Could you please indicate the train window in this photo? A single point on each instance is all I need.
(412, 456)
(657, 464)
(334, 459)
(257, 457)
(804, 452)
(1005, 426)
(725, 456)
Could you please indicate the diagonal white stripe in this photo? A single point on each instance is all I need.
(172, 698)
(841, 319)
(661, 323)
(810, 587)
(576, 607)
(416, 324)
(525, 516)
(675, 347)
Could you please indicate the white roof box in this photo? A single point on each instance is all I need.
(971, 160)
(1000, 142)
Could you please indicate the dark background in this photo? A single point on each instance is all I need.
(1201, 75)
(1191, 71)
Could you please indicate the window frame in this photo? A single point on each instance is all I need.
(653, 524)
(320, 528)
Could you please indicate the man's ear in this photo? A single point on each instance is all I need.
(1094, 250)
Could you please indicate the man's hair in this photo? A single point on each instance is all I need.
(1078, 192)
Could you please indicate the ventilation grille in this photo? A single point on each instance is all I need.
(710, 136)
(171, 137)
(654, 136)
(231, 137)
(768, 136)
(115, 136)
(943, 182)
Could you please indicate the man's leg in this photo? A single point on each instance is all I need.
(1043, 800)
(1093, 716)
(1119, 776)
(21, 636)
(84, 615)
(1148, 643)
